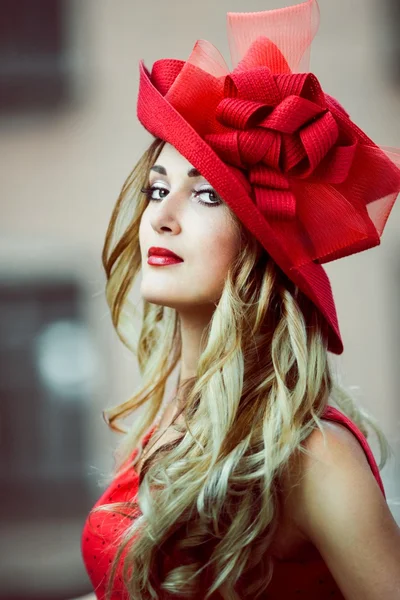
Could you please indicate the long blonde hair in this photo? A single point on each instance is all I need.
(263, 382)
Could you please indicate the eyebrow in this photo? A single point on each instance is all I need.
(163, 171)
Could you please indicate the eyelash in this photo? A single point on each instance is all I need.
(149, 190)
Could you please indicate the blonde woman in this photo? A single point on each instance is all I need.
(247, 482)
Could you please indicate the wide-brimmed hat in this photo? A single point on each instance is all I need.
(287, 159)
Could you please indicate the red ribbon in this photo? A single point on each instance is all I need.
(281, 127)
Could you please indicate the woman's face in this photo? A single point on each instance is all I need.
(185, 215)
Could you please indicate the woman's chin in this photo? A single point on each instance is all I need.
(158, 296)
(180, 296)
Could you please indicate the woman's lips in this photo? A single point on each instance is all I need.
(161, 261)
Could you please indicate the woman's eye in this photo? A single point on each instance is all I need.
(150, 191)
(213, 199)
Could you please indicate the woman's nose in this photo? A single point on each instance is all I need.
(168, 212)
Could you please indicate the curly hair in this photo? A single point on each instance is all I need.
(263, 381)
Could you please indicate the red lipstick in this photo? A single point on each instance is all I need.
(162, 256)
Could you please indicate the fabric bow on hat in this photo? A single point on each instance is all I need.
(281, 126)
(284, 155)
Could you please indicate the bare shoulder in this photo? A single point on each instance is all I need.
(332, 457)
(334, 447)
(336, 503)
(334, 443)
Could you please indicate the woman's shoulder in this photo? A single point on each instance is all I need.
(339, 452)
(335, 441)
(338, 442)
(349, 434)
(305, 473)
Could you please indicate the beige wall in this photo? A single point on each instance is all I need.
(60, 174)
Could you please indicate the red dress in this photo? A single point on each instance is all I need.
(309, 578)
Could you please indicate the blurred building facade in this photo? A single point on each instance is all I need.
(64, 160)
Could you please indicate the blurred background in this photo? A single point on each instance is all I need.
(68, 138)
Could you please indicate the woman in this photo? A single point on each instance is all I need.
(247, 483)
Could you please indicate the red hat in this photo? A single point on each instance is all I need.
(284, 156)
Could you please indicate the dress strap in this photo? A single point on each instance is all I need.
(333, 414)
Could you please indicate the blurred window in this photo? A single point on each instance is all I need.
(33, 64)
